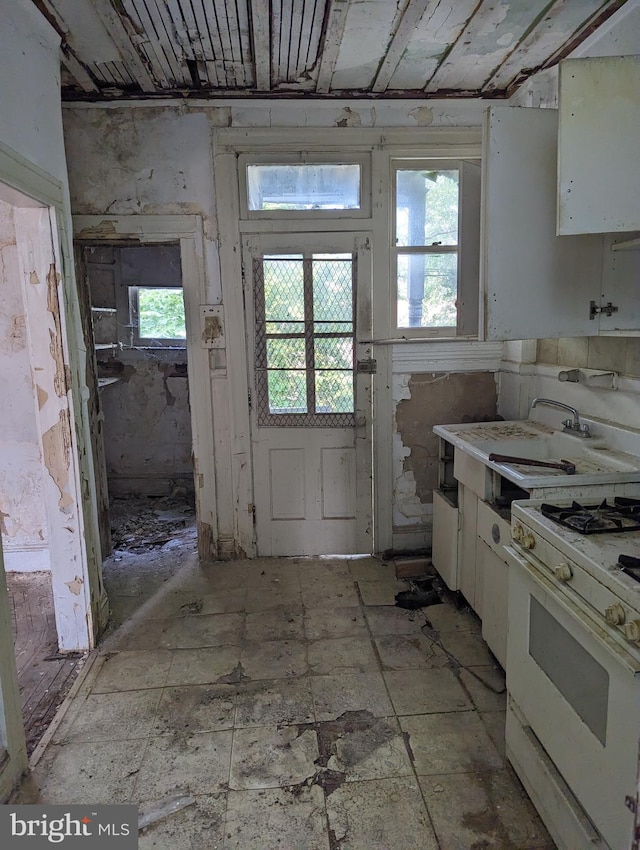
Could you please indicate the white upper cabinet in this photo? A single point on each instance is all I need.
(535, 283)
(599, 145)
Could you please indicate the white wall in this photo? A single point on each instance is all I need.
(32, 162)
(22, 507)
(150, 159)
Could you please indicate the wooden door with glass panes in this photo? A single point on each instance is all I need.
(307, 301)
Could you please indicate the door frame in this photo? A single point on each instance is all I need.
(187, 231)
(359, 243)
(81, 614)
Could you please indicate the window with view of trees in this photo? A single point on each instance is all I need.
(305, 326)
(426, 246)
(157, 315)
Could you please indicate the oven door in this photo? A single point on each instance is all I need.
(579, 692)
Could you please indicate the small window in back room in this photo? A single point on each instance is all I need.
(157, 316)
(149, 297)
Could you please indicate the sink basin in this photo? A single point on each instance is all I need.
(595, 460)
(590, 457)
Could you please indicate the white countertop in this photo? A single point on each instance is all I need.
(598, 460)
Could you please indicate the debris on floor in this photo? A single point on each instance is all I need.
(142, 523)
(299, 708)
(413, 567)
(153, 812)
(421, 593)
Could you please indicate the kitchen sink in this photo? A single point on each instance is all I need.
(610, 456)
(589, 455)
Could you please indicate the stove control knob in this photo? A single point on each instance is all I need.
(615, 615)
(563, 572)
(527, 541)
(517, 532)
(632, 630)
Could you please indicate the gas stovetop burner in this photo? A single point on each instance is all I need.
(623, 515)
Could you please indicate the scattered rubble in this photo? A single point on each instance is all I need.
(142, 523)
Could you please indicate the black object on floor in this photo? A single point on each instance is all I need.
(423, 592)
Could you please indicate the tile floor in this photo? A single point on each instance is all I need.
(301, 710)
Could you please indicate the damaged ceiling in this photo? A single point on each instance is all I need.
(384, 48)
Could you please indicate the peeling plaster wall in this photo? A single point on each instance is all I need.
(147, 429)
(422, 400)
(32, 149)
(157, 159)
(23, 519)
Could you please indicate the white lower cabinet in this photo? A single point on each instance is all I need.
(444, 550)
(494, 534)
(494, 602)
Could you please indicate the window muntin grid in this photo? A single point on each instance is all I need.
(425, 249)
(305, 339)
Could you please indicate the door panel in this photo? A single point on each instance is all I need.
(338, 468)
(307, 304)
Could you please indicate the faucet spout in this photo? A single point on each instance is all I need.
(574, 425)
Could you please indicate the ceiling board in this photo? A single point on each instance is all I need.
(342, 48)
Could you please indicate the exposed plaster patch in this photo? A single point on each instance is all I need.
(55, 336)
(422, 115)
(433, 398)
(3, 524)
(56, 450)
(17, 334)
(33, 277)
(75, 586)
(212, 329)
(105, 228)
(349, 118)
(43, 395)
(505, 39)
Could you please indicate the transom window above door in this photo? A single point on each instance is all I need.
(305, 186)
(304, 338)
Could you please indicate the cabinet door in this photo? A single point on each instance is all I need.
(620, 284)
(599, 145)
(535, 284)
(444, 546)
(495, 591)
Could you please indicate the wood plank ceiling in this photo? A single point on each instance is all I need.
(329, 48)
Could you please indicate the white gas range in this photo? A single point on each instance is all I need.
(573, 665)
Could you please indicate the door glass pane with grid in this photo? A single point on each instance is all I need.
(305, 332)
(305, 403)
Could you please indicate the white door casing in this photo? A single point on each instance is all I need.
(312, 480)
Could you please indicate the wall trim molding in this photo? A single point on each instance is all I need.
(454, 356)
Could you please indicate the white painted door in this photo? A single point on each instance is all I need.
(308, 305)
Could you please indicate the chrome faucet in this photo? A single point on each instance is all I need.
(573, 425)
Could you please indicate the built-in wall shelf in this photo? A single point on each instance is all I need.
(107, 382)
(627, 245)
